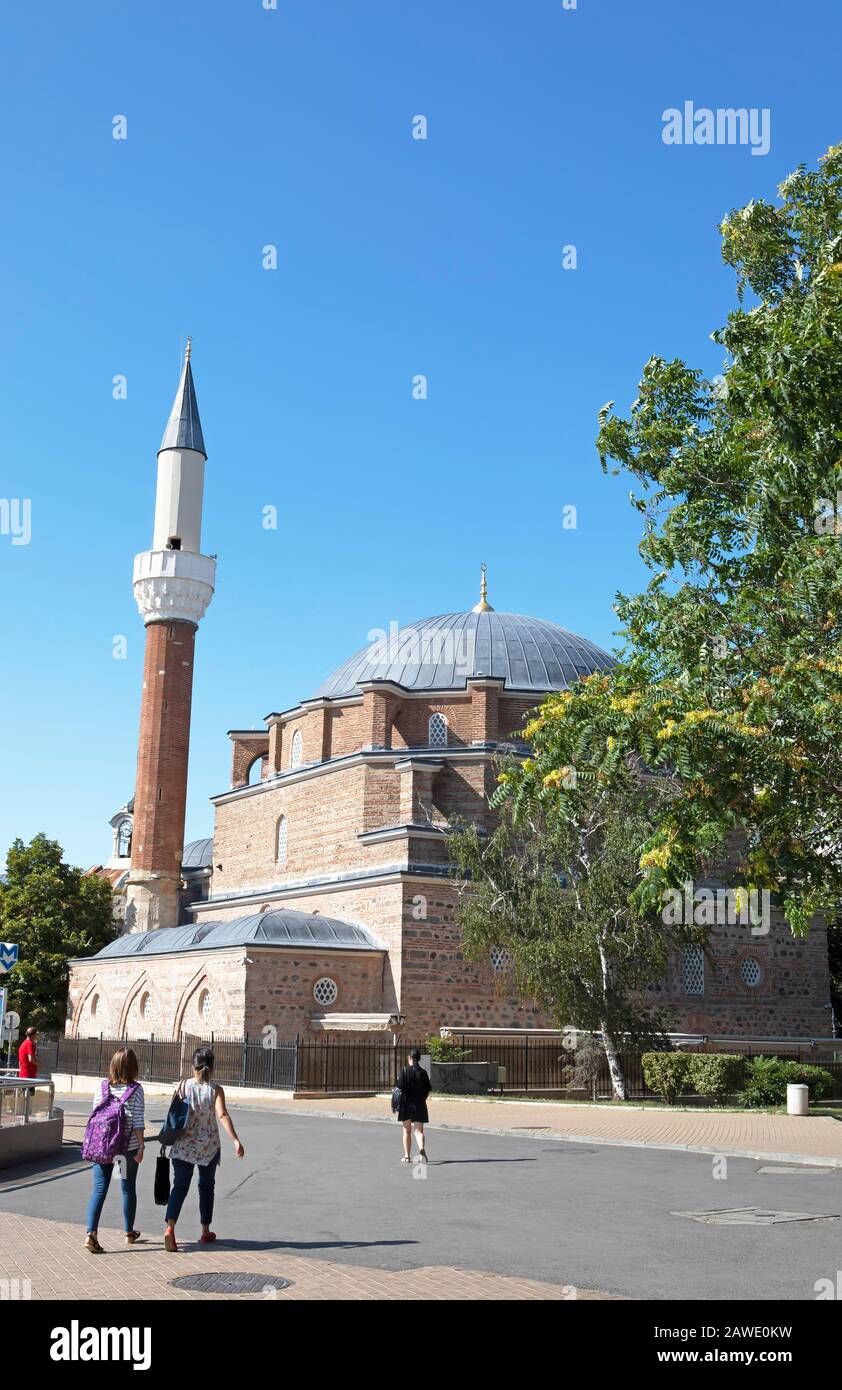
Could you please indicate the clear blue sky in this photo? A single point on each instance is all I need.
(396, 257)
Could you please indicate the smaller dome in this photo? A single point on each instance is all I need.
(198, 854)
(282, 927)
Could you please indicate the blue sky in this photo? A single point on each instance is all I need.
(292, 127)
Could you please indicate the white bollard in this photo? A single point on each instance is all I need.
(797, 1099)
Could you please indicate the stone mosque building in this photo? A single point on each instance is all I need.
(324, 901)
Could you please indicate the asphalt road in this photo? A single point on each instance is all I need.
(568, 1213)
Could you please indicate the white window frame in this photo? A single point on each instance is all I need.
(693, 968)
(295, 752)
(281, 840)
(439, 721)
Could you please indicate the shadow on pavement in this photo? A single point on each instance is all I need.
(51, 1168)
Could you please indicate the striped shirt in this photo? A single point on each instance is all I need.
(136, 1108)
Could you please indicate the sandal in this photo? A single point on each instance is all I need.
(170, 1241)
(132, 1236)
(93, 1245)
(208, 1239)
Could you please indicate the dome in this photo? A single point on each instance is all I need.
(198, 854)
(279, 927)
(443, 653)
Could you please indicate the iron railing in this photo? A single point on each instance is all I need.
(330, 1064)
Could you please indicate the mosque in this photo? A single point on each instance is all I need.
(324, 901)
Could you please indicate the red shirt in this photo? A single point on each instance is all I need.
(27, 1053)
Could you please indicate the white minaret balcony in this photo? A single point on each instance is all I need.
(173, 585)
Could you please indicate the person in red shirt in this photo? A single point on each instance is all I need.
(28, 1055)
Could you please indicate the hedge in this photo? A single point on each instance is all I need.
(768, 1077)
(665, 1073)
(717, 1074)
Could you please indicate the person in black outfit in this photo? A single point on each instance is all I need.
(414, 1084)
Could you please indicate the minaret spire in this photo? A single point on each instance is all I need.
(173, 585)
(483, 606)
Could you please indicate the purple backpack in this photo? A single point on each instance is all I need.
(109, 1129)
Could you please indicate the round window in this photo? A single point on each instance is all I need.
(325, 992)
(750, 972)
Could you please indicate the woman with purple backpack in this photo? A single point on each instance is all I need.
(115, 1132)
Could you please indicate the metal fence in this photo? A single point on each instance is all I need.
(533, 1065)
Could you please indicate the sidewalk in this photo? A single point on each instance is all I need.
(49, 1255)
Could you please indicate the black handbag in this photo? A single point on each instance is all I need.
(162, 1179)
(397, 1097)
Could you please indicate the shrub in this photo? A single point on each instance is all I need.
(768, 1077)
(665, 1073)
(446, 1050)
(716, 1074)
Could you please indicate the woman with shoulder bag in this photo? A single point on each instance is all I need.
(198, 1145)
(414, 1086)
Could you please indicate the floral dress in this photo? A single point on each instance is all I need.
(200, 1141)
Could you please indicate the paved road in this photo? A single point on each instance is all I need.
(566, 1213)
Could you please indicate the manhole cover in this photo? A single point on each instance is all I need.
(802, 1172)
(751, 1216)
(562, 1149)
(230, 1283)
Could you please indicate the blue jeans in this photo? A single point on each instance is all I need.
(182, 1176)
(102, 1181)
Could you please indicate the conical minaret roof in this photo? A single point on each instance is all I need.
(184, 428)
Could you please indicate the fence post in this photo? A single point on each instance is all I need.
(327, 1040)
(151, 1056)
(295, 1062)
(526, 1066)
(245, 1060)
(100, 1054)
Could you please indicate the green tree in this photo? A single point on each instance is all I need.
(556, 892)
(54, 912)
(731, 676)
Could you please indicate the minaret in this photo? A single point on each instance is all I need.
(173, 585)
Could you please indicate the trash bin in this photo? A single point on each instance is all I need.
(797, 1099)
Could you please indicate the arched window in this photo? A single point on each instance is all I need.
(124, 839)
(295, 757)
(146, 1010)
(694, 970)
(94, 1005)
(255, 772)
(205, 1006)
(281, 841)
(500, 959)
(438, 731)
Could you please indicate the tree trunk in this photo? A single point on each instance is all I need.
(615, 1066)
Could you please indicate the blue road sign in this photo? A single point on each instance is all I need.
(8, 955)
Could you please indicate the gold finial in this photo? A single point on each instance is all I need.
(483, 606)
(188, 350)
